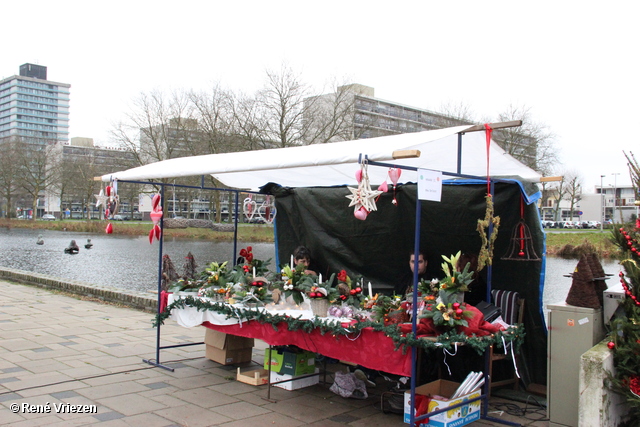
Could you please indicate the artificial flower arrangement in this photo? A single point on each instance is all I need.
(216, 281)
(250, 283)
(454, 280)
(294, 283)
(349, 290)
(448, 313)
(388, 310)
(323, 290)
(186, 285)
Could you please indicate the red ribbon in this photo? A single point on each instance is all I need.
(489, 131)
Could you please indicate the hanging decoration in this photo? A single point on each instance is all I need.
(521, 246)
(249, 207)
(156, 216)
(264, 213)
(394, 176)
(109, 202)
(363, 197)
(490, 222)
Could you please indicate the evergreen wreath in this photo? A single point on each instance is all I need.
(513, 334)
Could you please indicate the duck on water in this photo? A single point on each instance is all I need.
(72, 248)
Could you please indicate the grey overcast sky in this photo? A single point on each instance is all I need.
(574, 63)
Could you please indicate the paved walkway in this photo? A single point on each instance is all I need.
(58, 352)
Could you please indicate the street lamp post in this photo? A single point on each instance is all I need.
(601, 204)
(615, 195)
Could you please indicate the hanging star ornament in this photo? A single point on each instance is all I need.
(363, 196)
(101, 199)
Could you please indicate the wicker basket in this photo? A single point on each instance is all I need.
(319, 306)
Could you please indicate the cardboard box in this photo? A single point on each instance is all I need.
(227, 349)
(296, 383)
(443, 390)
(289, 361)
(228, 357)
(225, 341)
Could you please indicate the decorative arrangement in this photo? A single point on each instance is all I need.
(110, 201)
(521, 247)
(349, 291)
(492, 223)
(446, 340)
(394, 176)
(390, 310)
(169, 274)
(363, 197)
(625, 330)
(455, 281)
(448, 313)
(320, 294)
(265, 212)
(294, 283)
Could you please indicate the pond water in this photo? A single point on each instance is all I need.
(119, 261)
(131, 263)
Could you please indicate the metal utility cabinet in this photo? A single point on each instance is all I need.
(572, 331)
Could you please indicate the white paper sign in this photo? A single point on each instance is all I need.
(429, 185)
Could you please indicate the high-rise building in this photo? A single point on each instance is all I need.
(33, 108)
(373, 117)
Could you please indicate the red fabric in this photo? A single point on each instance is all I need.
(370, 349)
(488, 131)
(422, 407)
(477, 326)
(164, 300)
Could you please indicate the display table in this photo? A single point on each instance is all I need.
(369, 348)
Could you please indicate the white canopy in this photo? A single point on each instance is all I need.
(331, 164)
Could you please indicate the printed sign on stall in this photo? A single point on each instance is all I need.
(429, 185)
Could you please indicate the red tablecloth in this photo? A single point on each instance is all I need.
(370, 348)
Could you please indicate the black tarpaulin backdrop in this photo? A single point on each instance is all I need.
(379, 247)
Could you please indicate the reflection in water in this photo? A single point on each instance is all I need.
(132, 263)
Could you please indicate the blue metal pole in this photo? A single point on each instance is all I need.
(414, 307)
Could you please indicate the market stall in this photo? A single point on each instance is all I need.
(299, 171)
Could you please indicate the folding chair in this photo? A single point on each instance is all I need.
(512, 307)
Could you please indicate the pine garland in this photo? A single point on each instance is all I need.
(485, 256)
(514, 334)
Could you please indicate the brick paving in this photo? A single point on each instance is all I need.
(56, 349)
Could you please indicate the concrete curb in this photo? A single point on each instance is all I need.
(136, 300)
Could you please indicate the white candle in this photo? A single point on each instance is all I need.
(370, 291)
(319, 278)
(254, 272)
(292, 261)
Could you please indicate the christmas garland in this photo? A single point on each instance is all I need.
(514, 334)
(625, 331)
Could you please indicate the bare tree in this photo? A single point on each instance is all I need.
(634, 174)
(157, 128)
(455, 114)
(287, 113)
(573, 190)
(558, 193)
(9, 176)
(532, 143)
(38, 170)
(282, 107)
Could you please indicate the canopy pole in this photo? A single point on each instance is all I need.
(156, 362)
(414, 306)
